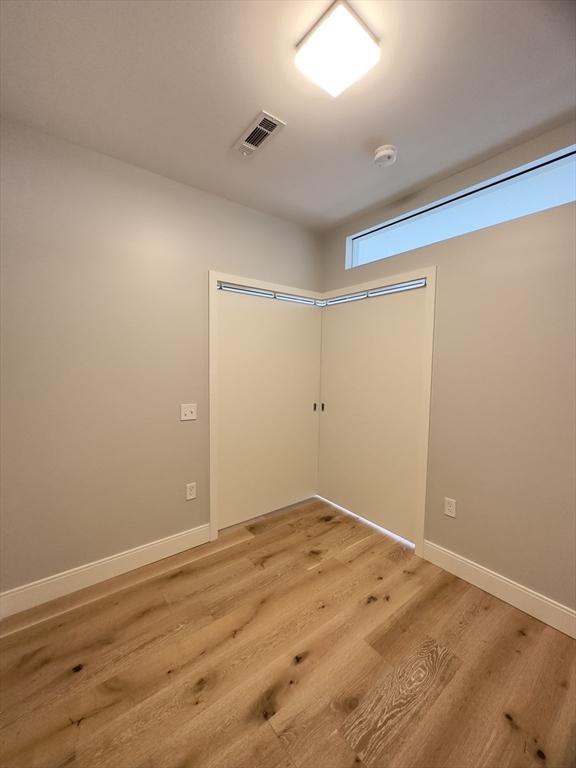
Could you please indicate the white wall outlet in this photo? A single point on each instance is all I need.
(188, 412)
(449, 507)
(190, 491)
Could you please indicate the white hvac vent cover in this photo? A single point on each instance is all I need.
(260, 131)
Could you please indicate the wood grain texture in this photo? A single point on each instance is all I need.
(388, 712)
(302, 639)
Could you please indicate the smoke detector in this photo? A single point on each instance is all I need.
(385, 155)
(259, 132)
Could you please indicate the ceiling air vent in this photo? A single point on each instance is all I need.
(258, 133)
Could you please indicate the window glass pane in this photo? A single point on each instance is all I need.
(540, 188)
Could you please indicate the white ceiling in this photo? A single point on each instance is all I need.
(170, 84)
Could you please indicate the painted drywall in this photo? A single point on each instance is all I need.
(502, 432)
(104, 334)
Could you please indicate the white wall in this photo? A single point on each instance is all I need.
(502, 439)
(104, 333)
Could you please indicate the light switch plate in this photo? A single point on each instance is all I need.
(188, 412)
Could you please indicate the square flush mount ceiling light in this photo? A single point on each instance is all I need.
(338, 50)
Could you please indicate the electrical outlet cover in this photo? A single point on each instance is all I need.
(188, 412)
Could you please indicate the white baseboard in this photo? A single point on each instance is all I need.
(541, 607)
(38, 592)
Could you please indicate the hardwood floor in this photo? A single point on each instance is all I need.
(302, 640)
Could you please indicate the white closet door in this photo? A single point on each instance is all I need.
(266, 378)
(376, 361)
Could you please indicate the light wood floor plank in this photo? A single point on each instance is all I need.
(384, 720)
(59, 606)
(462, 726)
(301, 639)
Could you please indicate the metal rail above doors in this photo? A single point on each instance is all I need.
(372, 293)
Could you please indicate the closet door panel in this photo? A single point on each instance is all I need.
(375, 370)
(267, 377)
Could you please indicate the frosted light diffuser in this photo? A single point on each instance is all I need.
(337, 51)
